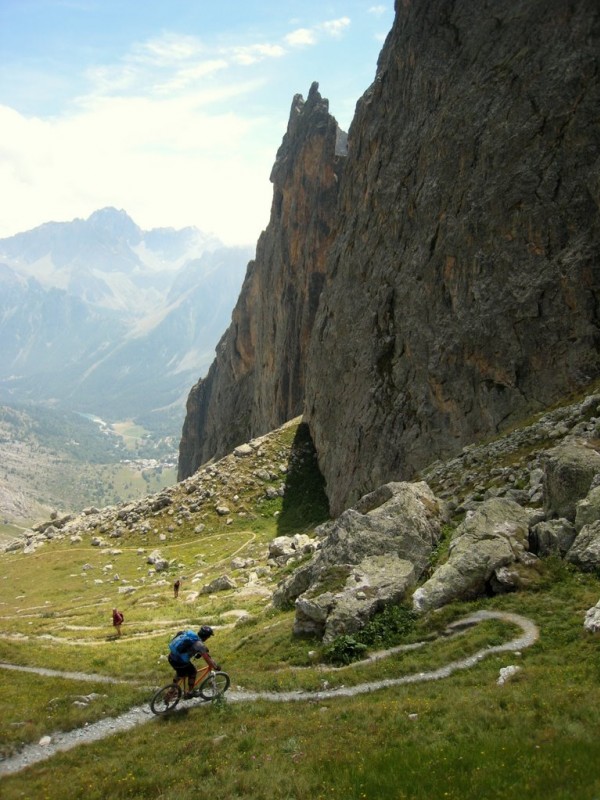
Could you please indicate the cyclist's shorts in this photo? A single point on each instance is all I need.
(182, 668)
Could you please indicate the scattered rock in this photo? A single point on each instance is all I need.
(219, 585)
(506, 673)
(242, 451)
(159, 562)
(592, 619)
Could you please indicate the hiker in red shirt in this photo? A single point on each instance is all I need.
(118, 620)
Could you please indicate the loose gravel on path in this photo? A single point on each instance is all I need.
(54, 673)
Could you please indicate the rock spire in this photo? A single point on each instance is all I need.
(256, 381)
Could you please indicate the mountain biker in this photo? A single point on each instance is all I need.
(185, 646)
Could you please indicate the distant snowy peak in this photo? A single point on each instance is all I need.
(103, 317)
(108, 240)
(106, 260)
(114, 224)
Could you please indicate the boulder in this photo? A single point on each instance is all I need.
(398, 525)
(159, 562)
(569, 471)
(510, 578)
(303, 543)
(160, 501)
(312, 613)
(493, 537)
(588, 509)
(552, 536)
(219, 585)
(506, 673)
(592, 619)
(377, 582)
(283, 548)
(585, 550)
(241, 563)
(294, 585)
(401, 518)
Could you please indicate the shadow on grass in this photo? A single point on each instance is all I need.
(305, 503)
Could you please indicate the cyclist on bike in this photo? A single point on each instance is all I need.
(185, 646)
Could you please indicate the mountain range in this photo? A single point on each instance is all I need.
(102, 317)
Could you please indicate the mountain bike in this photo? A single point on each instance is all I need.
(209, 685)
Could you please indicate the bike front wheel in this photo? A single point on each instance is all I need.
(166, 699)
(214, 685)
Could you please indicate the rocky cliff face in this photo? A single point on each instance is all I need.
(256, 381)
(463, 283)
(462, 262)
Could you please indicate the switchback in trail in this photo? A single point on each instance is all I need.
(58, 742)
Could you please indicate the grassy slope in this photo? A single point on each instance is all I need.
(537, 736)
(58, 460)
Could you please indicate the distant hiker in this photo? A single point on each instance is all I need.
(176, 586)
(186, 645)
(118, 620)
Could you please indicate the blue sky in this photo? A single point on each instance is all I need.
(170, 109)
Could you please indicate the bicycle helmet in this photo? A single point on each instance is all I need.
(205, 632)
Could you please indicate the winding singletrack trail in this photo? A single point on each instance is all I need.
(31, 754)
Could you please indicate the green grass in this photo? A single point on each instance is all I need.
(131, 433)
(56, 703)
(464, 737)
(470, 737)
(8, 532)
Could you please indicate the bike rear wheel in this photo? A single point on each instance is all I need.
(166, 699)
(214, 685)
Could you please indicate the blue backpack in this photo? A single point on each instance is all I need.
(183, 643)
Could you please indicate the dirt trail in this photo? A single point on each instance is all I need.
(74, 676)
(34, 753)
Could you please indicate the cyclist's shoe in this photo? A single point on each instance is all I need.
(188, 695)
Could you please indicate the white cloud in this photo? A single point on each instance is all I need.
(335, 27)
(378, 11)
(172, 64)
(155, 134)
(252, 54)
(166, 163)
(301, 37)
(169, 49)
(191, 75)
